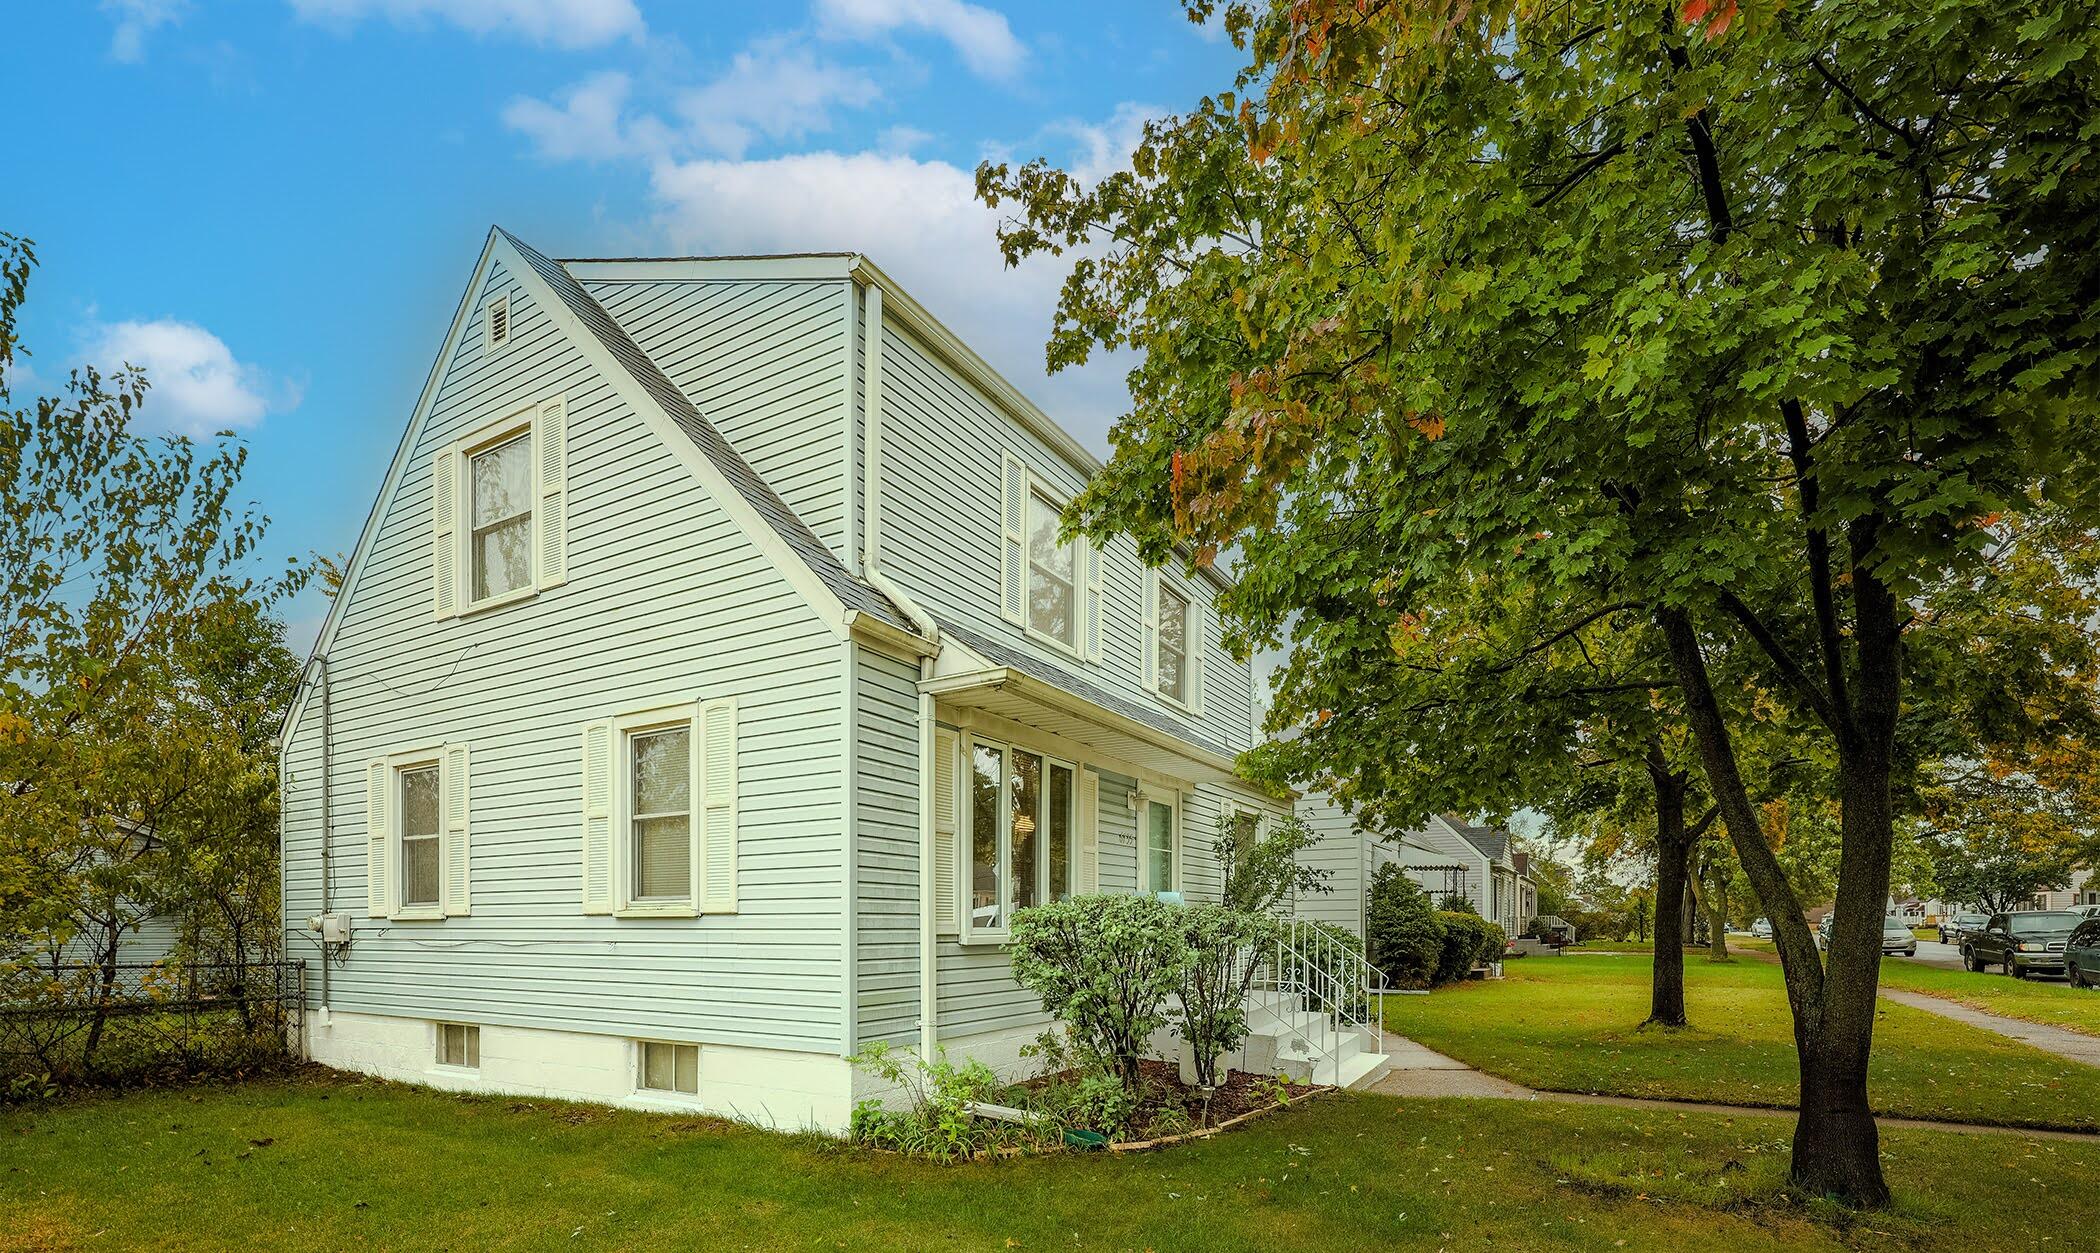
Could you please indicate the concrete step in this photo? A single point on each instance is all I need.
(1358, 1070)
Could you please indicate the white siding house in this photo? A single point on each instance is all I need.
(707, 689)
(1445, 855)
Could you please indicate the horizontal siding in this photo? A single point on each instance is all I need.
(1340, 852)
(886, 814)
(666, 601)
(766, 363)
(943, 443)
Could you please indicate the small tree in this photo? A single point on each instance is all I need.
(1264, 871)
(1222, 947)
(1103, 966)
(1401, 934)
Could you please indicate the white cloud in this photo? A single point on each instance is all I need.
(1102, 148)
(135, 20)
(773, 90)
(197, 387)
(562, 23)
(902, 138)
(979, 36)
(921, 222)
(588, 123)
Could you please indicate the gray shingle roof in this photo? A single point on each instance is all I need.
(1493, 842)
(1000, 655)
(851, 591)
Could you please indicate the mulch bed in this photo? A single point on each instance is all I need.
(1242, 1096)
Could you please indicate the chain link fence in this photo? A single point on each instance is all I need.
(125, 1024)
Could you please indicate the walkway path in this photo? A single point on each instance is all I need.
(2072, 1046)
(2069, 1045)
(1418, 1071)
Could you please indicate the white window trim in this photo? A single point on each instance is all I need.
(1177, 802)
(967, 742)
(625, 728)
(437, 1047)
(397, 880)
(523, 423)
(668, 1096)
(489, 341)
(1033, 487)
(1191, 635)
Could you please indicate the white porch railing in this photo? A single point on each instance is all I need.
(1312, 972)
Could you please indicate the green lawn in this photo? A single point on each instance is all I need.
(2055, 1003)
(1571, 1024)
(345, 1164)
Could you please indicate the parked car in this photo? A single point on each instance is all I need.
(1761, 929)
(2082, 954)
(1956, 927)
(1897, 937)
(1823, 929)
(2022, 943)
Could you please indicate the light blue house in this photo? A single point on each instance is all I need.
(709, 687)
(1446, 855)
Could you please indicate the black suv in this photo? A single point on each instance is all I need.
(2022, 943)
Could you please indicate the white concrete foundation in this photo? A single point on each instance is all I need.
(775, 1088)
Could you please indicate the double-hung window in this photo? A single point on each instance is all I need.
(660, 817)
(499, 545)
(1173, 645)
(499, 511)
(421, 834)
(1053, 593)
(1022, 838)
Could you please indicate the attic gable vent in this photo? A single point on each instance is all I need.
(499, 321)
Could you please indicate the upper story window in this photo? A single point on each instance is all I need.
(1052, 599)
(500, 543)
(1173, 642)
(1173, 645)
(499, 511)
(1051, 589)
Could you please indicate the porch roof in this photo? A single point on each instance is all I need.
(1019, 689)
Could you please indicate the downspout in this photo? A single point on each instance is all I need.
(871, 570)
(327, 825)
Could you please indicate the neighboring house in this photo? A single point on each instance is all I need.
(1446, 856)
(2082, 889)
(708, 688)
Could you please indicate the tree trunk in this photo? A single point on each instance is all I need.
(1716, 923)
(1836, 1145)
(1666, 996)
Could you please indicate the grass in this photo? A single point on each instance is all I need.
(2057, 1004)
(1571, 1024)
(325, 1163)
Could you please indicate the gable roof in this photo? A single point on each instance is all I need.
(851, 592)
(1493, 842)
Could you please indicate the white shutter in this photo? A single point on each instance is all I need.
(1091, 556)
(550, 521)
(1013, 544)
(444, 544)
(454, 841)
(718, 811)
(1089, 832)
(946, 894)
(597, 818)
(1150, 631)
(379, 896)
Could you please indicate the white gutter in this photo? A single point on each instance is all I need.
(929, 945)
(871, 529)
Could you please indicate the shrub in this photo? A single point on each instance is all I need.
(1402, 936)
(1455, 903)
(1261, 872)
(1103, 966)
(1464, 937)
(1495, 942)
(936, 1122)
(1220, 949)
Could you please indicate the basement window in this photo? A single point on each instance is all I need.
(459, 1044)
(664, 1067)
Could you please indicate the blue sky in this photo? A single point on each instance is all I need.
(274, 204)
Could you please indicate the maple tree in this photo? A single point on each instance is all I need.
(1753, 317)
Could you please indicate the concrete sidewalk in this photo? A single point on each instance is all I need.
(2069, 1045)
